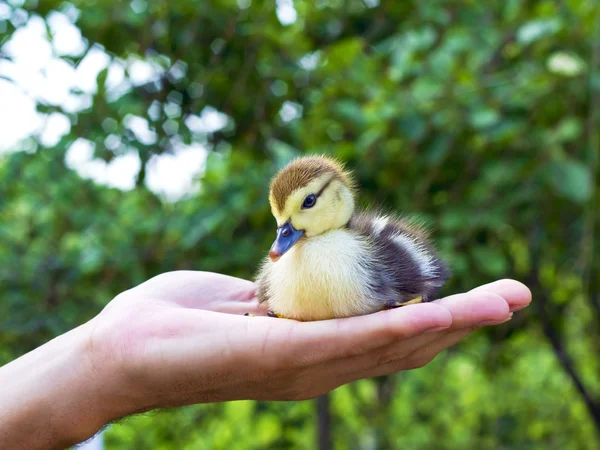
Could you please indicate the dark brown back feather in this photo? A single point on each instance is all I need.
(396, 275)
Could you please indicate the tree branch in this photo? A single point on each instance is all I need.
(557, 345)
(592, 153)
(541, 304)
(324, 423)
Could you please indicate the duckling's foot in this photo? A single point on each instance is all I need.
(395, 304)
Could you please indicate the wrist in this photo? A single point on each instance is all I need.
(57, 395)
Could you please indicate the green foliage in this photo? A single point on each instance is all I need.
(481, 117)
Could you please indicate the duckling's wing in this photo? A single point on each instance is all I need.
(405, 264)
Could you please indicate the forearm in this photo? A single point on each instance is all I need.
(54, 396)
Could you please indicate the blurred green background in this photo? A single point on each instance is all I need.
(483, 118)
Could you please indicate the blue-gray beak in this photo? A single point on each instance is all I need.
(287, 236)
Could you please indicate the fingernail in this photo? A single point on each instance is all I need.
(520, 307)
(496, 322)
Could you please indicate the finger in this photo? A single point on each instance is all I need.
(429, 351)
(475, 308)
(386, 354)
(468, 311)
(417, 359)
(316, 342)
(515, 293)
(305, 344)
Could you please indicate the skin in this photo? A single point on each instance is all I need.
(181, 338)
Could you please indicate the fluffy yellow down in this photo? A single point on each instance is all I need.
(321, 278)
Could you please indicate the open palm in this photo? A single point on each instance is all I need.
(182, 338)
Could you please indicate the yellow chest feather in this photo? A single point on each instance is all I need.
(322, 277)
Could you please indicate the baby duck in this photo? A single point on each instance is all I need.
(329, 260)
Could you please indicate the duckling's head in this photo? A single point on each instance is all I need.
(308, 197)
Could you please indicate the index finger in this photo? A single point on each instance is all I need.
(516, 294)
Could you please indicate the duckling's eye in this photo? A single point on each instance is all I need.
(309, 201)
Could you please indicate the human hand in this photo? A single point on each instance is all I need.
(182, 338)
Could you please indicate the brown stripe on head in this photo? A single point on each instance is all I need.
(302, 171)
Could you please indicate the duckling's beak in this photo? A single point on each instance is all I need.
(287, 236)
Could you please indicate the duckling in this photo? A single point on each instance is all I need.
(329, 260)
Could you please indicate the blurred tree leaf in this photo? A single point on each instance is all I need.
(570, 178)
